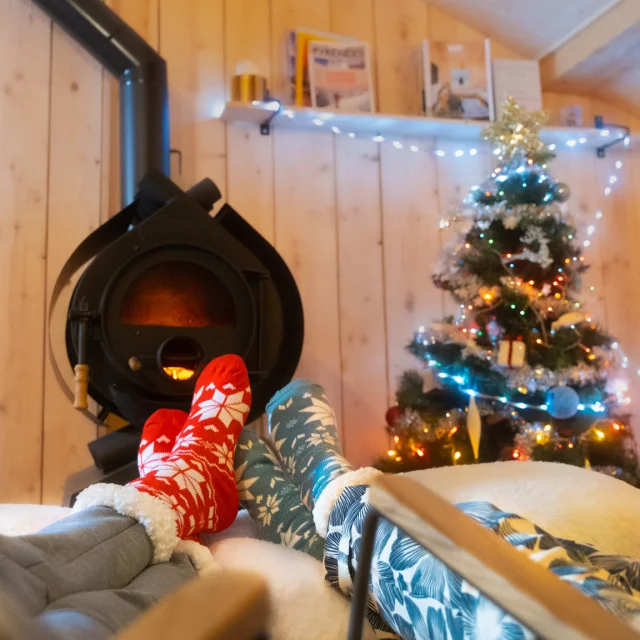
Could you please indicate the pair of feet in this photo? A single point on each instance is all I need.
(187, 483)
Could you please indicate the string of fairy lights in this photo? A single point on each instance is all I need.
(326, 118)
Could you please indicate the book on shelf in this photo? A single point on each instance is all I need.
(340, 76)
(297, 61)
(519, 79)
(457, 80)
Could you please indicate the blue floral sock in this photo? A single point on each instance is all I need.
(303, 429)
(271, 499)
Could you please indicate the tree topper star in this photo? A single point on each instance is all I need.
(517, 134)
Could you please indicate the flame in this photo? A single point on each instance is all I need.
(179, 373)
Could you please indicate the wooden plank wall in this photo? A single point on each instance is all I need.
(356, 221)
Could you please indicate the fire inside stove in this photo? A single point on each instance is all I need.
(179, 373)
(180, 357)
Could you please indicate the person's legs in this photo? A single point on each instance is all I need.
(93, 550)
(184, 492)
(410, 591)
(303, 429)
(271, 499)
(100, 614)
(86, 576)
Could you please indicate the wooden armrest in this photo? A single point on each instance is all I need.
(224, 605)
(532, 594)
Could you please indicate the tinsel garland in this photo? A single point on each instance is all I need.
(431, 432)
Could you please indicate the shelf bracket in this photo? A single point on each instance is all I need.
(265, 127)
(602, 125)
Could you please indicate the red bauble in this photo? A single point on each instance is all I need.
(393, 415)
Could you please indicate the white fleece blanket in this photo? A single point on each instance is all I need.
(566, 501)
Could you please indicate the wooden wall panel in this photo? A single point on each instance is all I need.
(250, 188)
(362, 311)
(443, 27)
(25, 41)
(554, 102)
(74, 211)
(250, 154)
(411, 245)
(355, 18)
(192, 42)
(305, 204)
(250, 177)
(285, 16)
(620, 235)
(247, 37)
(401, 26)
(361, 284)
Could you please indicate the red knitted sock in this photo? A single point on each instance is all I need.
(159, 437)
(197, 480)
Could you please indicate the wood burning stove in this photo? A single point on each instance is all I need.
(178, 289)
(174, 290)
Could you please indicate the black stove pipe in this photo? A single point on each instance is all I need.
(144, 95)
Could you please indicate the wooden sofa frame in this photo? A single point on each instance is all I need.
(225, 605)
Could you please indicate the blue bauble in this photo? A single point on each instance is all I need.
(562, 402)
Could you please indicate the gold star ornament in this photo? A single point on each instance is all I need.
(517, 134)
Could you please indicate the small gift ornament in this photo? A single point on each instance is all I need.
(512, 353)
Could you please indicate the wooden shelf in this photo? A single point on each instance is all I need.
(392, 127)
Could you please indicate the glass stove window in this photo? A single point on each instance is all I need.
(178, 294)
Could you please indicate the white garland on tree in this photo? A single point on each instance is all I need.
(542, 256)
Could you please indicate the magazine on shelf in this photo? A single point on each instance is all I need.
(458, 80)
(340, 76)
(297, 61)
(519, 79)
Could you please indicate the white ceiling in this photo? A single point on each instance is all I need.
(531, 27)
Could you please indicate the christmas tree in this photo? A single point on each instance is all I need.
(524, 372)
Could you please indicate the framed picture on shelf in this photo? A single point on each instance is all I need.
(457, 80)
